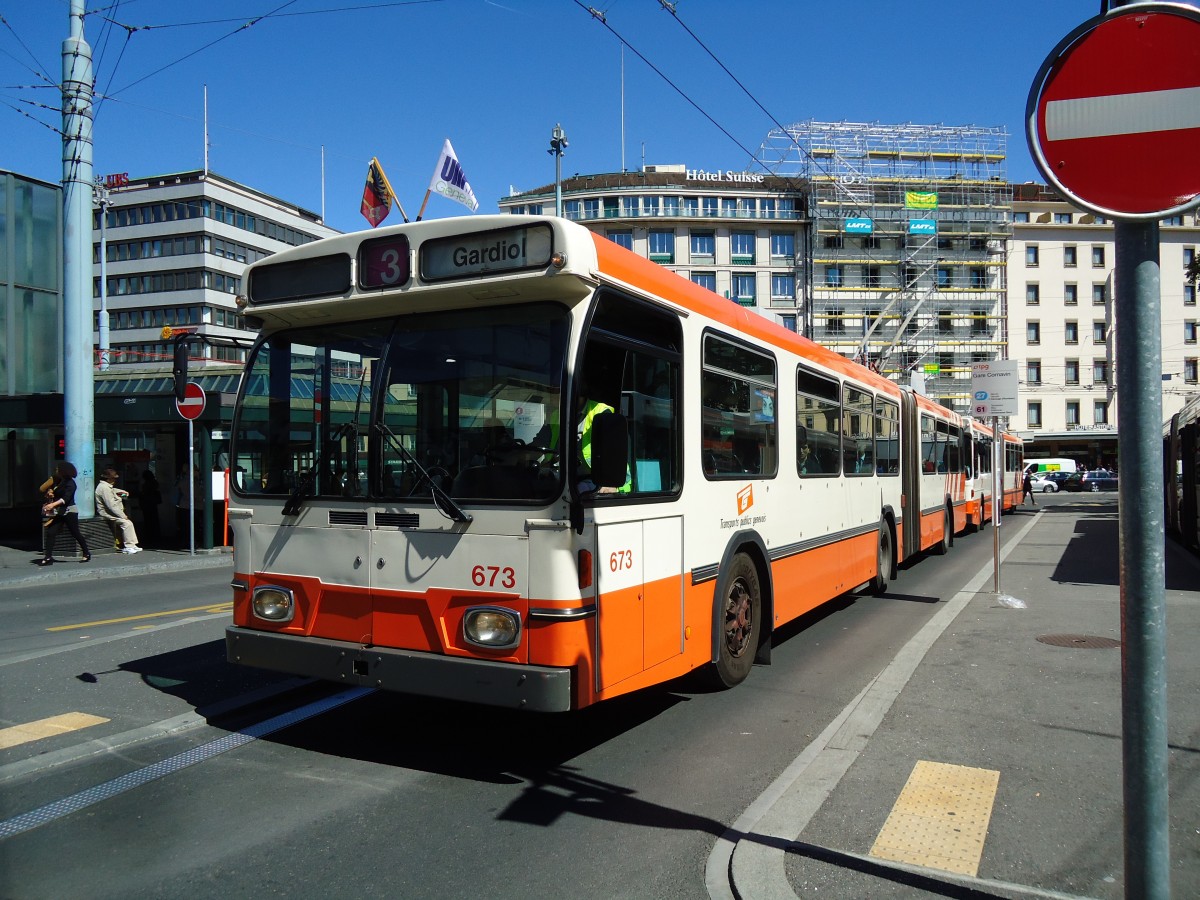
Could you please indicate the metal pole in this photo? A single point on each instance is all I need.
(78, 388)
(997, 498)
(1142, 561)
(191, 472)
(558, 143)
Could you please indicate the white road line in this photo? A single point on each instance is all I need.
(93, 795)
(1120, 114)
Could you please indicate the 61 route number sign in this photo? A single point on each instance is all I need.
(1113, 118)
(192, 404)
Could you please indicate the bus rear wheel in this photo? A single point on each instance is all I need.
(943, 546)
(740, 623)
(883, 557)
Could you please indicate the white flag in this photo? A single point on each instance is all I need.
(450, 181)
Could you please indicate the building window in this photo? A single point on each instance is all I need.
(1100, 372)
(1098, 257)
(835, 322)
(572, 209)
(1033, 371)
(1099, 294)
(788, 322)
(1020, 217)
(1071, 294)
(629, 207)
(783, 288)
(833, 276)
(591, 208)
(1031, 255)
(871, 277)
(1189, 332)
(979, 322)
(1033, 414)
(621, 238)
(1191, 370)
(741, 248)
(704, 246)
(729, 207)
(1173, 220)
(1071, 332)
(833, 241)
(662, 246)
(743, 289)
(1070, 257)
(1189, 295)
(1033, 296)
(691, 206)
(1033, 332)
(1072, 413)
(1189, 256)
(945, 277)
(1072, 371)
(1099, 332)
(708, 206)
(706, 280)
(766, 210)
(945, 323)
(1100, 412)
(670, 205)
(979, 277)
(1061, 218)
(783, 248)
(650, 206)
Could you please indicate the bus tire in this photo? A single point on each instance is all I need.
(884, 557)
(943, 546)
(740, 622)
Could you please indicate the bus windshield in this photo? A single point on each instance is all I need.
(466, 402)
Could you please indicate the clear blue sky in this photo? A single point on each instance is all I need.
(370, 78)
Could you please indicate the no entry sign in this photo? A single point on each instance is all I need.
(1113, 118)
(192, 404)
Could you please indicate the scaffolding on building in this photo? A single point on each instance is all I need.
(910, 231)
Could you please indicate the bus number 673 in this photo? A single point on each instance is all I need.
(494, 576)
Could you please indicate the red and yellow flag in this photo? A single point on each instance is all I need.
(377, 195)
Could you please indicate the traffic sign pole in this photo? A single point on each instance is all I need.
(1113, 120)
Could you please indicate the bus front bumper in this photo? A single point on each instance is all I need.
(537, 688)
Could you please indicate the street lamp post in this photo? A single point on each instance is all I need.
(558, 143)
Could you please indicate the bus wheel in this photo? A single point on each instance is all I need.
(883, 556)
(741, 608)
(942, 546)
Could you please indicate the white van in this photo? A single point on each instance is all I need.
(1038, 466)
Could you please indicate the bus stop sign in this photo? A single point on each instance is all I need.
(1113, 118)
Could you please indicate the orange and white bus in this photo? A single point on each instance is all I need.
(417, 506)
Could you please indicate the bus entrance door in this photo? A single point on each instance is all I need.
(639, 597)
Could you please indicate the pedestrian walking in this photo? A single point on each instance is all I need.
(1027, 487)
(110, 506)
(61, 512)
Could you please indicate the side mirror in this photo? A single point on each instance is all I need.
(610, 450)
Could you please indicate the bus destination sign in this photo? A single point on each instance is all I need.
(486, 253)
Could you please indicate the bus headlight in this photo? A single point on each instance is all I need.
(491, 626)
(275, 604)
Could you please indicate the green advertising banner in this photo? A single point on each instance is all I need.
(920, 199)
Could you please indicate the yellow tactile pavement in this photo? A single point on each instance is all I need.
(44, 728)
(940, 819)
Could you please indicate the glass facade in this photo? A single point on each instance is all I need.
(30, 286)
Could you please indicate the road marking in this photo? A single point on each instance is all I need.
(940, 819)
(93, 795)
(43, 728)
(213, 608)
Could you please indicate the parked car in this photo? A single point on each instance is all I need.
(1093, 480)
(1050, 482)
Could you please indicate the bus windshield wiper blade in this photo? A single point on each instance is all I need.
(444, 503)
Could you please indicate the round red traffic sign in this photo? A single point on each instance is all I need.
(192, 404)
(1113, 118)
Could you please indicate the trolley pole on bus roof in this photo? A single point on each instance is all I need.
(1110, 123)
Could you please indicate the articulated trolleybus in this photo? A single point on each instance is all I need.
(501, 459)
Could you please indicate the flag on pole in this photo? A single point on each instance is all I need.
(377, 195)
(450, 181)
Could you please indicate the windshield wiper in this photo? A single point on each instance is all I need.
(306, 483)
(444, 503)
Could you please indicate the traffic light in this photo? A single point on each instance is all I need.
(180, 367)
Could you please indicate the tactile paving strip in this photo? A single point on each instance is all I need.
(940, 819)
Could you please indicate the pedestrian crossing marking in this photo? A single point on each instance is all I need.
(44, 728)
(940, 819)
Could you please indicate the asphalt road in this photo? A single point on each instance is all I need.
(207, 780)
